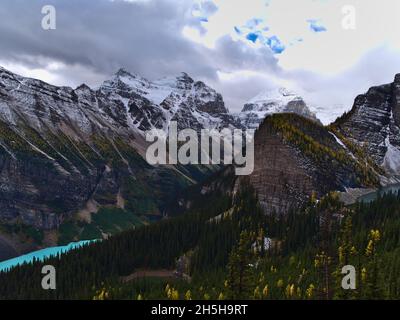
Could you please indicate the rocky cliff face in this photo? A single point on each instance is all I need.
(280, 176)
(374, 124)
(270, 102)
(296, 157)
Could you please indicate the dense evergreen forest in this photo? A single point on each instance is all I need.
(227, 248)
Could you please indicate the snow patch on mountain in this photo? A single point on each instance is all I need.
(392, 158)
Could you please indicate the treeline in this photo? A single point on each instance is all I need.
(234, 250)
(303, 259)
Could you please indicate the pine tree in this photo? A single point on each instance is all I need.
(346, 251)
(239, 268)
(373, 290)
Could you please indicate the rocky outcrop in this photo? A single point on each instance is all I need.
(296, 157)
(280, 178)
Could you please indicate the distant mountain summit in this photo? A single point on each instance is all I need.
(270, 102)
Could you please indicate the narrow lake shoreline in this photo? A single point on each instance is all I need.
(41, 254)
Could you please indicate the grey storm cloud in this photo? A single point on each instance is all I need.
(236, 55)
(144, 37)
(94, 38)
(101, 34)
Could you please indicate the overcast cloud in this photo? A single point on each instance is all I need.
(240, 47)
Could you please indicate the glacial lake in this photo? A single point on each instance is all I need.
(369, 197)
(42, 254)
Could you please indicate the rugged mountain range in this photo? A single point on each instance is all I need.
(66, 153)
(296, 156)
(270, 102)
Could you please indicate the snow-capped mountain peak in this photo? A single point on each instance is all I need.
(126, 81)
(153, 104)
(279, 100)
(281, 95)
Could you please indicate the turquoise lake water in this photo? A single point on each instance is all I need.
(41, 254)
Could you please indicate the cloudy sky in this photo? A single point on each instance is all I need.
(327, 50)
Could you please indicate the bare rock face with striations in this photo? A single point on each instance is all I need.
(374, 124)
(279, 177)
